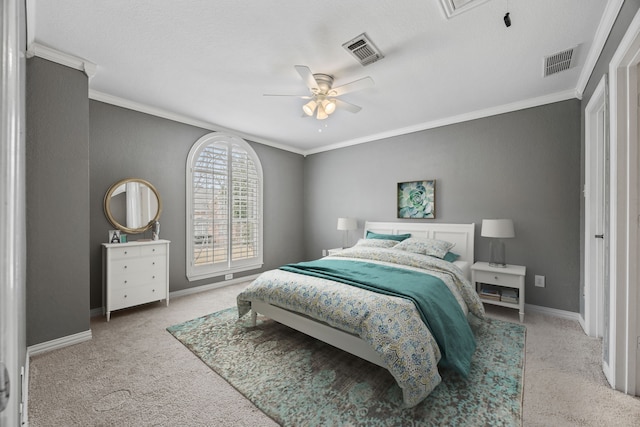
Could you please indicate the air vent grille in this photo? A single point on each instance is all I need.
(363, 50)
(560, 61)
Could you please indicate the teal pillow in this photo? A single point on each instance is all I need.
(451, 257)
(397, 237)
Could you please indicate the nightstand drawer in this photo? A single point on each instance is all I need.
(500, 279)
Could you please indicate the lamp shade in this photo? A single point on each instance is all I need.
(347, 224)
(309, 107)
(497, 228)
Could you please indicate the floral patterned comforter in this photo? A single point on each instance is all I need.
(392, 326)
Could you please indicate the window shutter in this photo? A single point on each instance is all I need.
(224, 230)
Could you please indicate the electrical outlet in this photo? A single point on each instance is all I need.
(228, 276)
(324, 252)
(540, 281)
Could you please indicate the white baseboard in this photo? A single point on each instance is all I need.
(552, 312)
(59, 343)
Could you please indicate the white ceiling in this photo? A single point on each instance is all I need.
(211, 61)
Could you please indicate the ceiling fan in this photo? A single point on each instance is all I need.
(324, 97)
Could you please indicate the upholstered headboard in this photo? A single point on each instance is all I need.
(461, 234)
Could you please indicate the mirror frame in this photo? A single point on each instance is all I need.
(112, 220)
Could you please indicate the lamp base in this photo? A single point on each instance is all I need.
(492, 264)
(497, 259)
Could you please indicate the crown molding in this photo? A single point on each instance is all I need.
(62, 58)
(89, 68)
(488, 112)
(169, 115)
(611, 11)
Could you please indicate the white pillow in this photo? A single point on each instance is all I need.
(377, 243)
(424, 246)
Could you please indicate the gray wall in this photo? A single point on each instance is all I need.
(76, 148)
(126, 143)
(626, 15)
(523, 165)
(57, 167)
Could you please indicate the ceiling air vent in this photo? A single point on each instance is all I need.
(363, 49)
(560, 61)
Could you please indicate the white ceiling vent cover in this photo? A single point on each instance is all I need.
(363, 50)
(560, 61)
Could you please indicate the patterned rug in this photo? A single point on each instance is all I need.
(300, 381)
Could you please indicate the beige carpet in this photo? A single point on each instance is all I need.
(134, 373)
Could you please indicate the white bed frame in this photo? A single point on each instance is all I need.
(461, 234)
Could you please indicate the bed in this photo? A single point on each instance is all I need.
(380, 326)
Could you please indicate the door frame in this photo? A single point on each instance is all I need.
(12, 207)
(595, 134)
(624, 212)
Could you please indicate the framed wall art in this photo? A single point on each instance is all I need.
(417, 199)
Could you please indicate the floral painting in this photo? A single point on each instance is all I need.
(417, 199)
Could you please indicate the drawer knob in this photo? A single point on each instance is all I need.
(153, 263)
(125, 281)
(125, 252)
(495, 277)
(153, 250)
(153, 277)
(125, 295)
(125, 266)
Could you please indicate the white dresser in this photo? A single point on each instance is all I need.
(134, 273)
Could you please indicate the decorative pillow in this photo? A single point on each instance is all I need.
(451, 257)
(433, 247)
(397, 237)
(377, 243)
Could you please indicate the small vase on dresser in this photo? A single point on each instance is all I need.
(134, 273)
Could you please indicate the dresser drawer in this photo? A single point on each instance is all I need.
(500, 279)
(122, 298)
(125, 252)
(153, 250)
(126, 273)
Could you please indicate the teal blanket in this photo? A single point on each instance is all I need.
(437, 306)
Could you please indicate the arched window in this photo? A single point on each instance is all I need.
(224, 207)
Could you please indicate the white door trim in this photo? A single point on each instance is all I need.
(594, 176)
(12, 207)
(624, 209)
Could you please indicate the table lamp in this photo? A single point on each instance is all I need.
(346, 224)
(497, 229)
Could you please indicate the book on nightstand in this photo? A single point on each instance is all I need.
(489, 292)
(509, 295)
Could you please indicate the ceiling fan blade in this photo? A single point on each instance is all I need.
(295, 96)
(307, 77)
(352, 108)
(363, 83)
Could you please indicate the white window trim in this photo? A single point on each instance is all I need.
(198, 273)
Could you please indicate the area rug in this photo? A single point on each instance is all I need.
(299, 381)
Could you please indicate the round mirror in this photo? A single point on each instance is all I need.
(132, 205)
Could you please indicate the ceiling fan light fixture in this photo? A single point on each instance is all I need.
(310, 107)
(321, 114)
(329, 106)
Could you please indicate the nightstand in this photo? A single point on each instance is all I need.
(509, 277)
